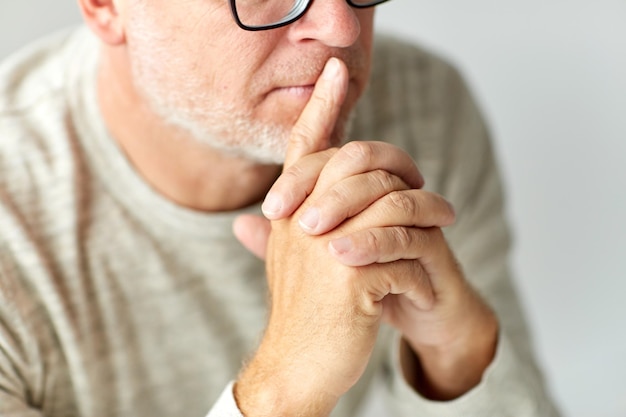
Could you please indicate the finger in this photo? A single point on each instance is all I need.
(359, 157)
(414, 208)
(403, 277)
(385, 245)
(294, 185)
(253, 233)
(408, 208)
(348, 198)
(312, 131)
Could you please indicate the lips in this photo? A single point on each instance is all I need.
(298, 80)
(296, 90)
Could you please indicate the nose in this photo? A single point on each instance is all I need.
(332, 22)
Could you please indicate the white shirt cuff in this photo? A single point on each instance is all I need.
(226, 406)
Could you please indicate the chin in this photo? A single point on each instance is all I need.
(266, 145)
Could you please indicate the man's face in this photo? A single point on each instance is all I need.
(235, 90)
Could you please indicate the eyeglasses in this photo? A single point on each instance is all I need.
(271, 14)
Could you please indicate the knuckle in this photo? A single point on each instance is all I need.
(404, 237)
(292, 174)
(404, 201)
(385, 180)
(323, 101)
(302, 133)
(339, 196)
(362, 152)
(373, 241)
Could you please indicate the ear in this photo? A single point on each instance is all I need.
(104, 19)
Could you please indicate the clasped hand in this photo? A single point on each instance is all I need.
(354, 241)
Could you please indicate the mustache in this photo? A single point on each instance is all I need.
(305, 70)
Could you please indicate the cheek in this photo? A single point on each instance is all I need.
(366, 39)
(178, 48)
(228, 57)
(366, 19)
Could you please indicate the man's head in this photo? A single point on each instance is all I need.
(236, 90)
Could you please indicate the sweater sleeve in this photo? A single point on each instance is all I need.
(19, 395)
(469, 178)
(508, 388)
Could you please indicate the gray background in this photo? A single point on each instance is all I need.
(551, 77)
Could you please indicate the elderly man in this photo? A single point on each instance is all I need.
(130, 152)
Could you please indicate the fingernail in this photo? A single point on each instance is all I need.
(310, 219)
(341, 245)
(272, 205)
(331, 69)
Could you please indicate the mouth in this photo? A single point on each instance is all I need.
(295, 90)
(292, 97)
(283, 104)
(297, 86)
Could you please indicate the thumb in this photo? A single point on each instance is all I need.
(312, 131)
(253, 232)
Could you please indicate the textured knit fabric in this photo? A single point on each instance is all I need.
(115, 301)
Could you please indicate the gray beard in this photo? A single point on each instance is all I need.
(236, 134)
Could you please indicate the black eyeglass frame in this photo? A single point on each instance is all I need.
(233, 9)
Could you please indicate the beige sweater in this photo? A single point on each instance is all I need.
(116, 302)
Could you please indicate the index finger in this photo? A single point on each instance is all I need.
(311, 132)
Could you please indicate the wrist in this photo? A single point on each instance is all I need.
(274, 388)
(446, 372)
